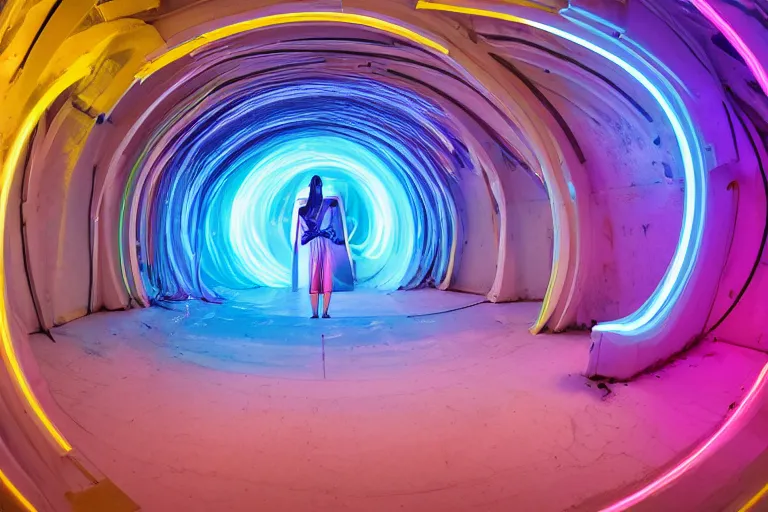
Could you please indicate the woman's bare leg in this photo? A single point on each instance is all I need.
(327, 279)
(326, 303)
(314, 299)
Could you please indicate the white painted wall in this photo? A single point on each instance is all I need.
(56, 217)
(529, 236)
(478, 248)
(18, 290)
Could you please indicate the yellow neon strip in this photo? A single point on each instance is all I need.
(755, 499)
(10, 358)
(187, 47)
(16, 493)
(472, 11)
(547, 303)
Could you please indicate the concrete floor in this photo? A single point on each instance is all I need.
(224, 407)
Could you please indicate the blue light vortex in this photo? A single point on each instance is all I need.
(218, 207)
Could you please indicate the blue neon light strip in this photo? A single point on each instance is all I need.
(658, 306)
(217, 205)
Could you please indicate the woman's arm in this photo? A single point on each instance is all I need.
(304, 231)
(337, 225)
(307, 237)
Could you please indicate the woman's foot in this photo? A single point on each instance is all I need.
(314, 316)
(326, 315)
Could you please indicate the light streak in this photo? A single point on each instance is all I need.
(754, 500)
(657, 307)
(23, 501)
(753, 63)
(698, 455)
(215, 208)
(187, 47)
(11, 359)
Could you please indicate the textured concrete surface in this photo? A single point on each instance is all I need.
(211, 407)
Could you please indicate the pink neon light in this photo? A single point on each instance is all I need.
(730, 33)
(698, 456)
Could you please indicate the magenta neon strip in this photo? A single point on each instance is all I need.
(730, 34)
(697, 456)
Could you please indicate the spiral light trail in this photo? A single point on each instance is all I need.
(219, 201)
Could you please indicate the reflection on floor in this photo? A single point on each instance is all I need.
(211, 407)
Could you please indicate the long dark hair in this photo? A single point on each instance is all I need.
(315, 199)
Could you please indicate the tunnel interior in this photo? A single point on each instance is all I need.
(260, 149)
(408, 159)
(553, 215)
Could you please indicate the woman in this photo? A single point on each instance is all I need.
(320, 225)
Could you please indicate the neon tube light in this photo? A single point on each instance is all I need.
(187, 47)
(754, 500)
(11, 359)
(753, 63)
(657, 306)
(217, 214)
(697, 456)
(6, 482)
